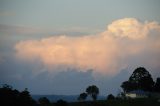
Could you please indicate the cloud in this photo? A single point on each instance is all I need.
(131, 28)
(106, 53)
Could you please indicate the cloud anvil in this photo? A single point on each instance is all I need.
(107, 52)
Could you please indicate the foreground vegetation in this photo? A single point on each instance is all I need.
(120, 102)
(140, 79)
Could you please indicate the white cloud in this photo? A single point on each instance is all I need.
(131, 28)
(105, 53)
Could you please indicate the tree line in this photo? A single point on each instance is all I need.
(140, 79)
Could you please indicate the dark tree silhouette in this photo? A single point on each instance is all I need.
(12, 97)
(25, 98)
(44, 101)
(128, 86)
(140, 79)
(110, 97)
(82, 96)
(61, 103)
(93, 91)
(8, 96)
(157, 85)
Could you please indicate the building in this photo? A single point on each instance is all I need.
(137, 94)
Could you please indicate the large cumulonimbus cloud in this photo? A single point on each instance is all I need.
(105, 53)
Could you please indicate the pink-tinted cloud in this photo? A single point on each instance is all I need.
(105, 53)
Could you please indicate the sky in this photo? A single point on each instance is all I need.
(62, 46)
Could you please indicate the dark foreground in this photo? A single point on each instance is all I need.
(131, 102)
(13, 97)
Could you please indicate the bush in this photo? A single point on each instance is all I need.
(61, 103)
(110, 97)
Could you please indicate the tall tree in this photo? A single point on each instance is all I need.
(140, 79)
(93, 91)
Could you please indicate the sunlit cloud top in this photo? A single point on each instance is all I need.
(106, 53)
(131, 28)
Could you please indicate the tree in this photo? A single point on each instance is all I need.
(157, 85)
(140, 79)
(61, 103)
(12, 97)
(110, 97)
(93, 91)
(7, 95)
(25, 98)
(82, 96)
(44, 101)
(127, 86)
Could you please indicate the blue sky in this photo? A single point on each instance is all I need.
(67, 38)
(75, 13)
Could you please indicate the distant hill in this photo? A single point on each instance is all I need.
(68, 98)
